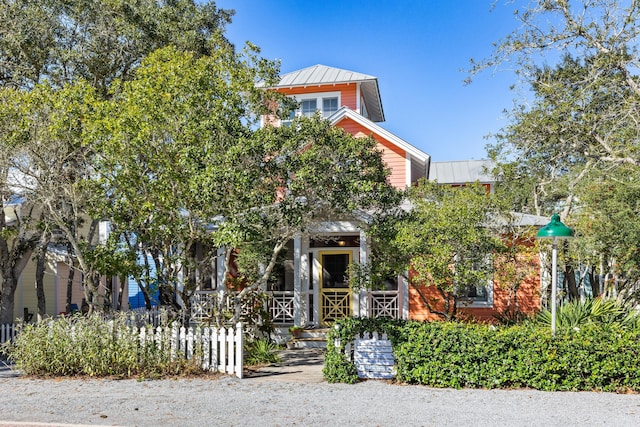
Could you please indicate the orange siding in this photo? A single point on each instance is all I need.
(347, 92)
(393, 156)
(528, 297)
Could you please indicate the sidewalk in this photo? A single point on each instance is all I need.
(6, 369)
(298, 365)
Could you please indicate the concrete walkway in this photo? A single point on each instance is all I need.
(298, 365)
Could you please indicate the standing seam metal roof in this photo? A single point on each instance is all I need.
(461, 172)
(323, 75)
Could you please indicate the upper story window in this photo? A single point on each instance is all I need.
(329, 106)
(327, 103)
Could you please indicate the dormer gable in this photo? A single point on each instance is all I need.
(357, 91)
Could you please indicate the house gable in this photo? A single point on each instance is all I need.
(407, 163)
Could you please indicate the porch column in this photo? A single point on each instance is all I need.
(304, 281)
(297, 280)
(403, 296)
(363, 308)
(220, 269)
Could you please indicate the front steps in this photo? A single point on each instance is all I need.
(310, 338)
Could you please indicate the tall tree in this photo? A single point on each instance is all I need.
(170, 143)
(442, 244)
(305, 175)
(59, 41)
(581, 130)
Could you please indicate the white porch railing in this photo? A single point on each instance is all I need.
(203, 304)
(281, 307)
(383, 304)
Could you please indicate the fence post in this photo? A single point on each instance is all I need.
(222, 355)
(215, 354)
(206, 353)
(189, 343)
(239, 350)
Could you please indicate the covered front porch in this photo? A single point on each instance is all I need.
(311, 287)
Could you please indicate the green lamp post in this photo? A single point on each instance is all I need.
(555, 230)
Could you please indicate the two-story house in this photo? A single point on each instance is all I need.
(312, 289)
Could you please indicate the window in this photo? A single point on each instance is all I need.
(479, 293)
(329, 106)
(327, 103)
(308, 107)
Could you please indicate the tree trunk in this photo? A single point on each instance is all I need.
(123, 281)
(9, 285)
(40, 267)
(72, 272)
(570, 279)
(594, 281)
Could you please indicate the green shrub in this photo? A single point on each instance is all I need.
(337, 366)
(461, 355)
(596, 356)
(261, 352)
(95, 347)
(594, 310)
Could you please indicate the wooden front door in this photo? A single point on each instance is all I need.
(335, 295)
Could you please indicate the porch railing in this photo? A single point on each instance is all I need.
(281, 307)
(383, 304)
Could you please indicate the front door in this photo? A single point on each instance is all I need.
(335, 295)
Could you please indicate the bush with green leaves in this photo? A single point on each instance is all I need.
(337, 366)
(446, 354)
(260, 352)
(594, 356)
(93, 346)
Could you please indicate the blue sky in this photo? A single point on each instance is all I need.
(418, 50)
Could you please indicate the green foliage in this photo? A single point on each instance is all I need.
(261, 352)
(457, 355)
(95, 347)
(337, 367)
(577, 314)
(445, 240)
(574, 145)
(480, 356)
(102, 40)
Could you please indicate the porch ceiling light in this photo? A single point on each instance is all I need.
(554, 230)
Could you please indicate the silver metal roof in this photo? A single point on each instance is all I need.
(320, 75)
(461, 172)
(324, 75)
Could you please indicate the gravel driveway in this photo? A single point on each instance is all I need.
(234, 402)
(228, 401)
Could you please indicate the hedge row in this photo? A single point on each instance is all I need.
(446, 354)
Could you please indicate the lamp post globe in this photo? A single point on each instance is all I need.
(554, 230)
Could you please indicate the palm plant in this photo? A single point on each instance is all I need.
(592, 311)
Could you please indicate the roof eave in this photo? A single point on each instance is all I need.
(345, 112)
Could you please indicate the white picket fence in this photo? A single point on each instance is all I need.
(7, 332)
(221, 350)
